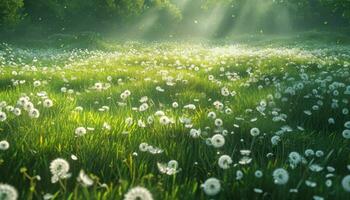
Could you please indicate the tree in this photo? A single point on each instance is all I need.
(10, 12)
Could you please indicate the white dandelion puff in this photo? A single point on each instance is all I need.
(346, 134)
(34, 113)
(211, 186)
(3, 116)
(346, 183)
(8, 192)
(48, 103)
(218, 140)
(138, 193)
(280, 176)
(4, 145)
(59, 169)
(254, 132)
(84, 179)
(225, 161)
(80, 131)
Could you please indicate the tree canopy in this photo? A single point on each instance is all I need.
(92, 14)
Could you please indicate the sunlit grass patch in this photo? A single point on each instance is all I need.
(184, 121)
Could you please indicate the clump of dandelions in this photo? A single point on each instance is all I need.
(59, 169)
(138, 193)
(8, 192)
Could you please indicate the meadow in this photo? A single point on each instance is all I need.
(176, 120)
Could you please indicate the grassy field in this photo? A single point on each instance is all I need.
(168, 116)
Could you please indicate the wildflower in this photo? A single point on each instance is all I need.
(315, 197)
(225, 92)
(141, 124)
(17, 111)
(245, 152)
(175, 105)
(218, 105)
(319, 153)
(173, 164)
(106, 126)
(59, 169)
(328, 183)
(28, 106)
(159, 89)
(310, 183)
(347, 124)
(245, 160)
(37, 83)
(218, 140)
(211, 186)
(84, 179)
(48, 196)
(8, 192)
(74, 157)
(48, 103)
(138, 193)
(275, 139)
(346, 183)
(125, 94)
(331, 121)
(212, 115)
(159, 113)
(190, 106)
(218, 122)
(164, 120)
(294, 158)
(315, 168)
(280, 176)
(228, 111)
(239, 175)
(309, 152)
(195, 133)
(150, 119)
(129, 121)
(98, 86)
(80, 131)
(143, 107)
(154, 150)
(63, 89)
(254, 132)
(258, 190)
(4, 145)
(346, 134)
(143, 147)
(258, 173)
(224, 162)
(3, 116)
(34, 113)
(169, 169)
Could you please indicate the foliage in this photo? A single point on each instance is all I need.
(98, 14)
(10, 12)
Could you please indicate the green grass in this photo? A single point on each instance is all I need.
(255, 71)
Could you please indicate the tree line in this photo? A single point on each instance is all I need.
(88, 14)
